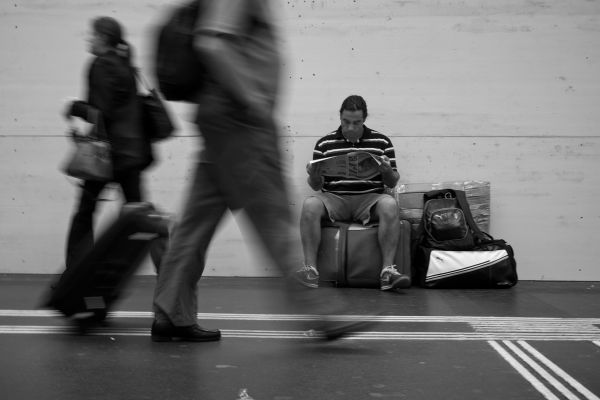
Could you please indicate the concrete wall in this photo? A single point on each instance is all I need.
(506, 91)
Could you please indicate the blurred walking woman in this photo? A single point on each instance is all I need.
(111, 90)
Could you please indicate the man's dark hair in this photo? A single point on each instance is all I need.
(355, 103)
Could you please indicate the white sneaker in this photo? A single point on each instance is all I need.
(390, 279)
(308, 276)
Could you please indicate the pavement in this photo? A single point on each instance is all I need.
(538, 340)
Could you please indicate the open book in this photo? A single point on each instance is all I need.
(356, 165)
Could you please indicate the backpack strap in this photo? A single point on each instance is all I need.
(478, 234)
(143, 81)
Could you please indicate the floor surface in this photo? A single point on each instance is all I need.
(538, 340)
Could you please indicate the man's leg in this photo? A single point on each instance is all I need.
(279, 235)
(313, 211)
(272, 219)
(175, 296)
(316, 208)
(389, 228)
(387, 213)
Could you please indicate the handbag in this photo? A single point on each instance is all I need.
(156, 120)
(91, 160)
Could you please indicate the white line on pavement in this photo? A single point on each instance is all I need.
(524, 372)
(287, 334)
(480, 322)
(541, 371)
(558, 371)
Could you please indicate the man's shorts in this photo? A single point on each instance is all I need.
(356, 208)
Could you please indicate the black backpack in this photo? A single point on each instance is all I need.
(179, 71)
(447, 222)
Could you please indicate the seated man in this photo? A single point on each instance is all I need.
(356, 199)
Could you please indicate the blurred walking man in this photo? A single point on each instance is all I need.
(239, 168)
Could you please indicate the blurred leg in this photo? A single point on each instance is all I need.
(130, 182)
(175, 296)
(80, 238)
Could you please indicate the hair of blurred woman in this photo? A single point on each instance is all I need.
(108, 34)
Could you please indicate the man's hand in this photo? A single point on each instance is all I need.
(313, 170)
(390, 177)
(385, 165)
(315, 180)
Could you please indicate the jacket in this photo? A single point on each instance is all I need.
(112, 90)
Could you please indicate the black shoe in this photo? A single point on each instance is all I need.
(166, 332)
(333, 330)
(89, 321)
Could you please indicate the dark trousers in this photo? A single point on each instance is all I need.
(80, 239)
(250, 179)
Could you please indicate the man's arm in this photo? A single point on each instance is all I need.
(388, 166)
(315, 179)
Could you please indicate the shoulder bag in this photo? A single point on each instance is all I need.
(156, 121)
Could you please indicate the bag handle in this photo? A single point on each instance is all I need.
(143, 81)
(480, 236)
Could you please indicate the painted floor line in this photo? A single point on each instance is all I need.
(481, 322)
(524, 372)
(558, 371)
(287, 334)
(543, 373)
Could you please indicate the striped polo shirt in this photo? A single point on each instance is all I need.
(335, 144)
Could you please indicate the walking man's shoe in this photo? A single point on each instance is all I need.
(167, 332)
(391, 279)
(332, 328)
